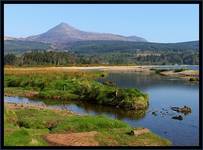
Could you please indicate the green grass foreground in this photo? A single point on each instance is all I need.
(77, 87)
(28, 126)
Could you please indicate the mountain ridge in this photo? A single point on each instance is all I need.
(66, 37)
(65, 33)
(100, 46)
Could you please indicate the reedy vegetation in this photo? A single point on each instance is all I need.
(77, 86)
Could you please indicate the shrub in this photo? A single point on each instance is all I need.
(193, 79)
(179, 70)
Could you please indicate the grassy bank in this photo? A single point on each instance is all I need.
(29, 126)
(78, 86)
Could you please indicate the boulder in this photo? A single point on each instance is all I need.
(185, 110)
(137, 132)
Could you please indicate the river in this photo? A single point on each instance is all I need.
(164, 92)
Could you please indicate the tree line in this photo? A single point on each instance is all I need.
(59, 58)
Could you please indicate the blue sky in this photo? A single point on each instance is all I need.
(155, 22)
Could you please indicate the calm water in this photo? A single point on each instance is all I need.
(163, 93)
(192, 67)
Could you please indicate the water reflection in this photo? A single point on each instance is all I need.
(117, 113)
(144, 81)
(164, 92)
(92, 109)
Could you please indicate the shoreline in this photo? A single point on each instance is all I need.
(73, 68)
(190, 75)
(12, 105)
(69, 132)
(101, 68)
(187, 74)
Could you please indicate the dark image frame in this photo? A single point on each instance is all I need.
(100, 2)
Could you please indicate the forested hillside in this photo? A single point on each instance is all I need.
(19, 46)
(101, 52)
(11, 46)
(125, 46)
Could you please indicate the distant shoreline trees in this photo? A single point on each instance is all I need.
(60, 58)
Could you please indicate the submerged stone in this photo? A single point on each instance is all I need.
(179, 117)
(154, 113)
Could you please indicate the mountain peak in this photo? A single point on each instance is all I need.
(64, 26)
(62, 29)
(63, 23)
(64, 33)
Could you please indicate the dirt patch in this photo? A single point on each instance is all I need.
(31, 94)
(24, 106)
(73, 139)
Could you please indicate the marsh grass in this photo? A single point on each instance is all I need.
(80, 86)
(39, 123)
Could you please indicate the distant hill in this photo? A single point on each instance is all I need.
(125, 46)
(64, 33)
(19, 46)
(9, 38)
(65, 37)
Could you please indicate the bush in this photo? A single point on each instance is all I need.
(179, 70)
(160, 70)
(193, 79)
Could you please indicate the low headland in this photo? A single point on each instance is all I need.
(190, 75)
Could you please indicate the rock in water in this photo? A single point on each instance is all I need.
(154, 113)
(185, 110)
(179, 117)
(175, 109)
